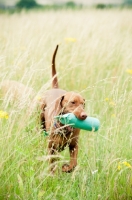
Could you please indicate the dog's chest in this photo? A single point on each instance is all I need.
(61, 141)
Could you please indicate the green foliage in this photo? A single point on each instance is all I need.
(128, 2)
(100, 6)
(26, 4)
(104, 6)
(70, 4)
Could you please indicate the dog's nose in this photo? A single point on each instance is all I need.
(83, 116)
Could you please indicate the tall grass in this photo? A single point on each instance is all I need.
(96, 62)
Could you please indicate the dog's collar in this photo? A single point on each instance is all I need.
(56, 124)
(59, 129)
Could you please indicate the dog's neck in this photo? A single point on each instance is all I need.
(61, 128)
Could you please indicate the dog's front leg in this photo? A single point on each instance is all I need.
(73, 148)
(73, 159)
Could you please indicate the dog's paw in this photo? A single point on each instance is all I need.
(67, 168)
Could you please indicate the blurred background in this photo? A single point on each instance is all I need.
(55, 4)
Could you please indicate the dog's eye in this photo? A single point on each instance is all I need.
(72, 102)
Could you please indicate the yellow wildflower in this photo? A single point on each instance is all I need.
(4, 114)
(119, 167)
(113, 115)
(129, 71)
(107, 99)
(110, 101)
(70, 39)
(123, 164)
(127, 164)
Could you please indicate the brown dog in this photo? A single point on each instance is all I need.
(56, 102)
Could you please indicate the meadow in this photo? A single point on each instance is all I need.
(94, 59)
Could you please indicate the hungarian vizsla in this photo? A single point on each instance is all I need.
(57, 102)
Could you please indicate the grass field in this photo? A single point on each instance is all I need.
(95, 59)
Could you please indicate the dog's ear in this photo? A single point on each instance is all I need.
(58, 105)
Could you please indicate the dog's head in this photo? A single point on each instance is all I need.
(71, 102)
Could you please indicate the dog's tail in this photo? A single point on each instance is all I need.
(54, 75)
